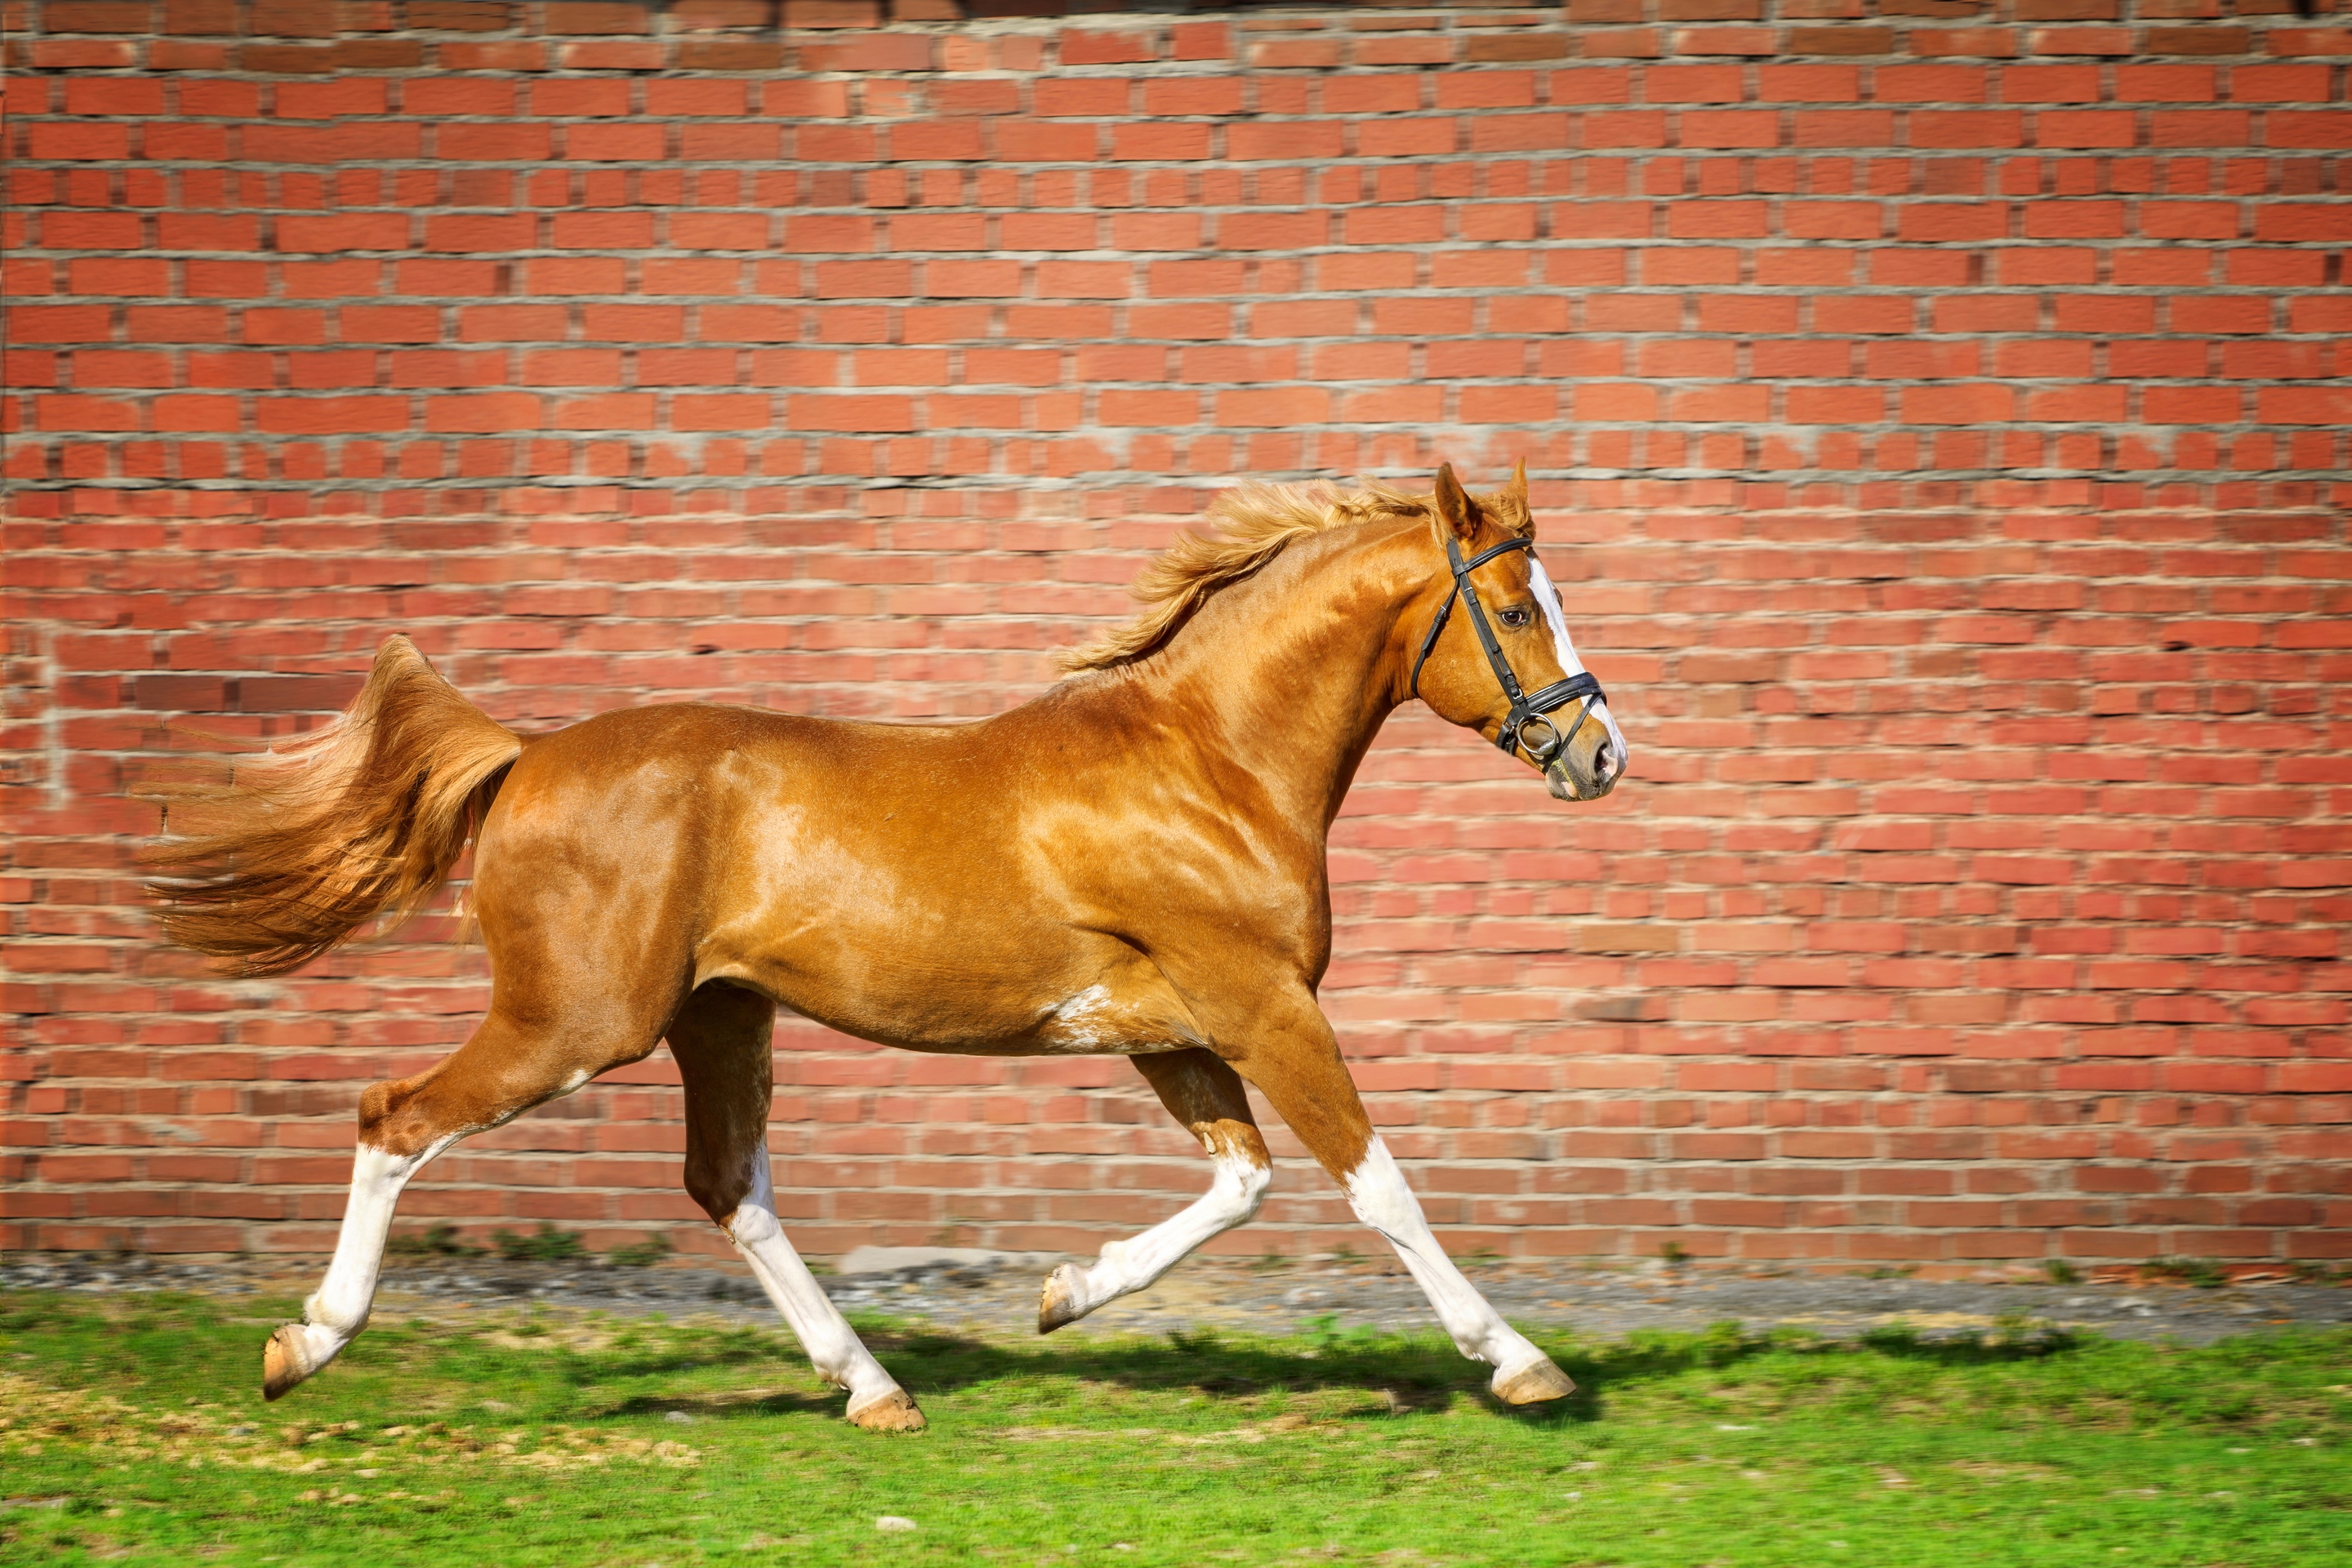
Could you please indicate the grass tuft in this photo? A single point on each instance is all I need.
(549, 1245)
(2205, 1273)
(639, 1254)
(439, 1241)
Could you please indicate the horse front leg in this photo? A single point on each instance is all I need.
(1299, 1068)
(1203, 1094)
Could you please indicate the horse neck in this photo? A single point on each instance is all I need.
(1288, 676)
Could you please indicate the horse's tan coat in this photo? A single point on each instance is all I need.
(1133, 864)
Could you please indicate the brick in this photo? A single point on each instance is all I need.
(97, 16)
(596, 16)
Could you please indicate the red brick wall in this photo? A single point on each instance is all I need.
(1940, 419)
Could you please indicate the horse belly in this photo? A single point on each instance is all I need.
(993, 1020)
(929, 923)
(1010, 991)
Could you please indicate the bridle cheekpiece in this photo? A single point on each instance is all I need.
(1526, 710)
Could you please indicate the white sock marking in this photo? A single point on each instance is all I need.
(338, 1310)
(1127, 1266)
(1376, 1190)
(1548, 600)
(833, 1348)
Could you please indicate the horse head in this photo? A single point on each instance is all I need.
(1494, 654)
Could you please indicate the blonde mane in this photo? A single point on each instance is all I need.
(1254, 523)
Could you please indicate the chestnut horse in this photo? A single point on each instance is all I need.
(1130, 864)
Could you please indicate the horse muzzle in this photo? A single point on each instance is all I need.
(1586, 768)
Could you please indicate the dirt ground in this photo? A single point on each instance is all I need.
(997, 1296)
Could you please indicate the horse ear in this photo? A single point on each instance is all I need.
(1518, 515)
(1454, 508)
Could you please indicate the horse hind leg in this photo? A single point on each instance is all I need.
(721, 1040)
(501, 1071)
(1207, 1098)
(336, 1311)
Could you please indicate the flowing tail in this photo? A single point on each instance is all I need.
(306, 844)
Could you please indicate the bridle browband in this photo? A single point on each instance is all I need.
(1524, 710)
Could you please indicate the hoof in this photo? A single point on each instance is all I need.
(285, 1362)
(1533, 1383)
(891, 1412)
(1061, 1302)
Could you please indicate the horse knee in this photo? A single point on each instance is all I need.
(720, 1192)
(1249, 1181)
(708, 1196)
(1256, 1184)
(1245, 1168)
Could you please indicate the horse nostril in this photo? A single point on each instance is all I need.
(1601, 761)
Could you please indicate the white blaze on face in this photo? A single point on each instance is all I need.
(1548, 600)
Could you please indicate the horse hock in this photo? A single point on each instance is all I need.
(501, 1071)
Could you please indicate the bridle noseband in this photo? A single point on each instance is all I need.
(1524, 710)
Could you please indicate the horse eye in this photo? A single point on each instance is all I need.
(1515, 618)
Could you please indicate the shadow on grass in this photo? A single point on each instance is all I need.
(1415, 1371)
(1408, 1372)
(725, 1404)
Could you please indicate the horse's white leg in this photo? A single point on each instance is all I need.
(502, 1070)
(1296, 1062)
(338, 1310)
(875, 1401)
(1207, 1097)
(1234, 1195)
(1523, 1374)
(721, 1040)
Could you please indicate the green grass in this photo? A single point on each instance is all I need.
(133, 1431)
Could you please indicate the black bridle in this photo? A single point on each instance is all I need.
(1524, 710)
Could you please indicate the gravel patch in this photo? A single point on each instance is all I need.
(997, 1296)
